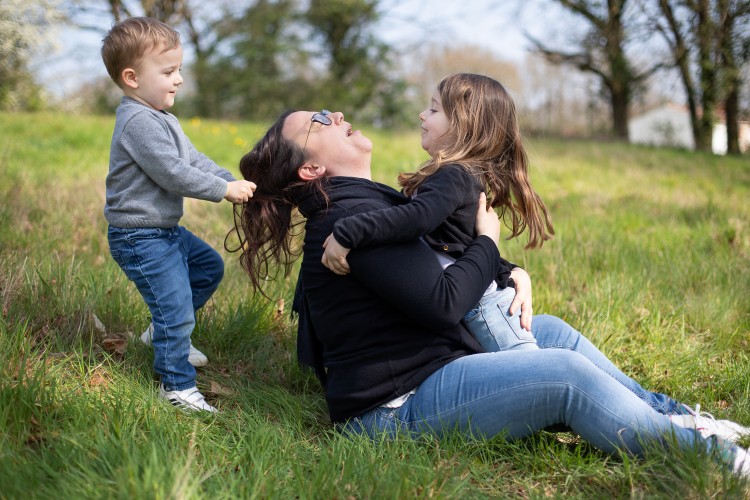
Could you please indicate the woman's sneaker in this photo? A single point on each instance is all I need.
(707, 425)
(195, 358)
(189, 399)
(741, 465)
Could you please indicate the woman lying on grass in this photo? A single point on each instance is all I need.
(387, 339)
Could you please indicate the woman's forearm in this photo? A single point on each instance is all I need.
(408, 276)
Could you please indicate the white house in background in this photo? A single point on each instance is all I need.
(669, 125)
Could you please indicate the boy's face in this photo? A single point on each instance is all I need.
(155, 78)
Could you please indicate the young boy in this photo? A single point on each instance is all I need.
(152, 166)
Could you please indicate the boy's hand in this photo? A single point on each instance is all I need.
(334, 257)
(239, 191)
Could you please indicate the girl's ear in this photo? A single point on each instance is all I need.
(310, 171)
(129, 78)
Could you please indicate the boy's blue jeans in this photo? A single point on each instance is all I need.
(566, 382)
(176, 273)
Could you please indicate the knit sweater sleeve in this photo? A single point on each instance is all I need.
(153, 146)
(438, 198)
(205, 164)
(408, 276)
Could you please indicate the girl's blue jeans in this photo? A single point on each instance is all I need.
(176, 273)
(516, 393)
(494, 328)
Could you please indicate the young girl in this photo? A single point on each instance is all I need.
(472, 136)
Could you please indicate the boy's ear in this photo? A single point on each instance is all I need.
(310, 171)
(129, 78)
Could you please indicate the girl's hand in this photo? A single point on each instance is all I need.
(488, 223)
(523, 296)
(334, 257)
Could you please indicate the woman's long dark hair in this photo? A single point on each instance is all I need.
(266, 223)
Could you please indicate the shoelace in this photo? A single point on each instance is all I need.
(698, 413)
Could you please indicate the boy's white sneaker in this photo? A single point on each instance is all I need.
(195, 358)
(707, 425)
(189, 399)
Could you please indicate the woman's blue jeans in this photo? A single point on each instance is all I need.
(176, 273)
(552, 332)
(517, 393)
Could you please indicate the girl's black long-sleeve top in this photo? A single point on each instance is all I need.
(378, 332)
(444, 212)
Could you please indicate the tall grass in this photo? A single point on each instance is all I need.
(651, 261)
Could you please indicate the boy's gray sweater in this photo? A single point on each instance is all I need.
(152, 166)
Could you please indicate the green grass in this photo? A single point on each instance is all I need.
(651, 261)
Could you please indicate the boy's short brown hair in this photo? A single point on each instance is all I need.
(129, 39)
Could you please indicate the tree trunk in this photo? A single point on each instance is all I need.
(702, 41)
(731, 109)
(707, 68)
(602, 53)
(731, 73)
(620, 104)
(620, 70)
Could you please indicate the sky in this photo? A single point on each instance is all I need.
(494, 24)
(405, 24)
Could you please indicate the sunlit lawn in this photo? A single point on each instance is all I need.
(651, 260)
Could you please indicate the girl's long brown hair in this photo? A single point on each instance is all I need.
(485, 138)
(266, 224)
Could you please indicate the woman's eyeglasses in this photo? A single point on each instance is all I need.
(321, 118)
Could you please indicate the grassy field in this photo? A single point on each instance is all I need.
(651, 261)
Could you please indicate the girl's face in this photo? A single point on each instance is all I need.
(435, 124)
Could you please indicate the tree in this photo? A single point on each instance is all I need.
(87, 15)
(734, 51)
(688, 32)
(254, 58)
(602, 52)
(672, 32)
(430, 64)
(255, 66)
(358, 64)
(24, 28)
(708, 46)
(558, 103)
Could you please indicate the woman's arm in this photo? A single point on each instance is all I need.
(409, 277)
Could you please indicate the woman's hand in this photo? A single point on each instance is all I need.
(523, 296)
(334, 256)
(488, 223)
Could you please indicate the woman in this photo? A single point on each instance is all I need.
(387, 338)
